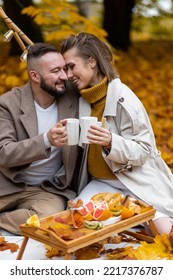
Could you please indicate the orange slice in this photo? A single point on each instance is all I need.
(76, 218)
(87, 215)
(126, 213)
(101, 214)
(33, 221)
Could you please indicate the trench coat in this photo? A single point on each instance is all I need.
(134, 157)
(20, 143)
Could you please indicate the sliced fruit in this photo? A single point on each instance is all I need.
(83, 210)
(33, 221)
(117, 198)
(93, 224)
(135, 207)
(116, 212)
(73, 203)
(99, 197)
(126, 213)
(115, 207)
(77, 218)
(103, 205)
(90, 206)
(101, 214)
(87, 210)
(87, 215)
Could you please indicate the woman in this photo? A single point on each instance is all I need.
(123, 156)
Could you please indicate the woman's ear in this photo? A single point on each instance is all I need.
(92, 62)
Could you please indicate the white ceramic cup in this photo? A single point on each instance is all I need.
(99, 124)
(72, 131)
(163, 224)
(85, 123)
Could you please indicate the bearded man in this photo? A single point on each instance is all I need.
(36, 166)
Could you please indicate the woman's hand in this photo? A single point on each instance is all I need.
(99, 135)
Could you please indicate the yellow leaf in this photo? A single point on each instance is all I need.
(170, 142)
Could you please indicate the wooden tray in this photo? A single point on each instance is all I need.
(46, 236)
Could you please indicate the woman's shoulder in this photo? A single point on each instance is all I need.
(122, 91)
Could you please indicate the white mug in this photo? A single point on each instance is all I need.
(72, 127)
(85, 123)
(99, 124)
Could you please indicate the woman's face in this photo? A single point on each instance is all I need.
(82, 72)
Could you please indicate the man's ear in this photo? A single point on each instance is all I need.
(34, 76)
(92, 62)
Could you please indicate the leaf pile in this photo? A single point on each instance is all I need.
(147, 70)
(5, 245)
(161, 248)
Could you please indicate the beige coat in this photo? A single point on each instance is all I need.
(20, 143)
(134, 157)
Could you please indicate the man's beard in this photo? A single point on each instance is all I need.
(52, 90)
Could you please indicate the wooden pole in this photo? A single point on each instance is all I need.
(22, 249)
(19, 41)
(104, 122)
(19, 35)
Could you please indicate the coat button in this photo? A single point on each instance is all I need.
(121, 99)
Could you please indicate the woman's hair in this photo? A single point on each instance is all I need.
(88, 45)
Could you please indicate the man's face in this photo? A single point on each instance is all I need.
(51, 89)
(52, 74)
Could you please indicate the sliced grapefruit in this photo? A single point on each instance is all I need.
(101, 214)
(90, 206)
(83, 210)
(87, 215)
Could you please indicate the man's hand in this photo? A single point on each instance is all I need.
(57, 135)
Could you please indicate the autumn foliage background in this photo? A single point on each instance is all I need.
(147, 67)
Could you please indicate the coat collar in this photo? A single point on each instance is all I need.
(113, 95)
(29, 117)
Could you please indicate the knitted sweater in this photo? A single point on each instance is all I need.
(96, 96)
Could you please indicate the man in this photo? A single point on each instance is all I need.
(36, 165)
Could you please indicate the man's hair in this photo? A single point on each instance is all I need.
(88, 45)
(39, 49)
